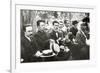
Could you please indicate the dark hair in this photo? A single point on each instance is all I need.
(65, 21)
(86, 19)
(55, 22)
(88, 14)
(55, 14)
(38, 22)
(74, 22)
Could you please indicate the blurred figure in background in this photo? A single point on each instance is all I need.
(86, 20)
(67, 26)
(73, 29)
(81, 40)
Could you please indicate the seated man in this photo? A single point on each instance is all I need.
(28, 46)
(41, 37)
(43, 41)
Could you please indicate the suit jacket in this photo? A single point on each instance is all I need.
(80, 38)
(42, 40)
(55, 35)
(73, 30)
(28, 49)
(83, 48)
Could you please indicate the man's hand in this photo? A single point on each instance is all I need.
(38, 54)
(87, 42)
(67, 49)
(52, 41)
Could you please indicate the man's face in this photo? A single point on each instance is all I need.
(56, 26)
(67, 24)
(86, 14)
(76, 25)
(83, 27)
(61, 25)
(42, 26)
(28, 32)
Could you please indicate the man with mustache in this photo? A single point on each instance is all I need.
(28, 45)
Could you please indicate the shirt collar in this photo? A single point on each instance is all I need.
(28, 38)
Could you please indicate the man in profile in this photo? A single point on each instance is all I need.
(28, 45)
(81, 40)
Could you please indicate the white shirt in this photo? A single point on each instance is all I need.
(28, 38)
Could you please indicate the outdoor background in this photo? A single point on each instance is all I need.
(32, 16)
(5, 35)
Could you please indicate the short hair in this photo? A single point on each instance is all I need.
(74, 22)
(88, 14)
(55, 22)
(86, 19)
(24, 27)
(38, 22)
(65, 21)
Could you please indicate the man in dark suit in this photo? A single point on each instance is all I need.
(43, 41)
(28, 45)
(87, 18)
(56, 34)
(82, 46)
(74, 29)
(41, 36)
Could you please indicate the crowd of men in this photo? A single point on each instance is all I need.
(64, 41)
